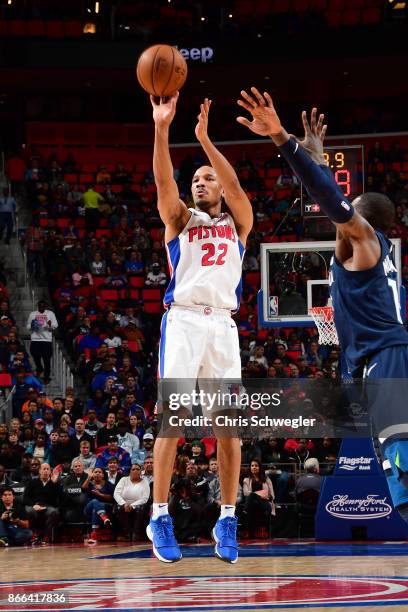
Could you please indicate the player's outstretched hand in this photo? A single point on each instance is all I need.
(315, 131)
(265, 120)
(201, 129)
(164, 110)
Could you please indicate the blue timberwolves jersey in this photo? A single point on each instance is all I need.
(366, 308)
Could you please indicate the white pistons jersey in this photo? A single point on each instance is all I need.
(205, 262)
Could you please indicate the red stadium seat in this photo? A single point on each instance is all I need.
(371, 16)
(55, 29)
(80, 222)
(134, 294)
(133, 346)
(43, 222)
(153, 307)
(5, 380)
(109, 295)
(336, 5)
(63, 222)
(73, 29)
(98, 281)
(151, 295)
(86, 178)
(36, 27)
(282, 6)
(301, 5)
(103, 222)
(253, 279)
(17, 28)
(137, 281)
(333, 19)
(351, 17)
(107, 233)
(71, 178)
(318, 5)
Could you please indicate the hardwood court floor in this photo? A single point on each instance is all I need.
(282, 575)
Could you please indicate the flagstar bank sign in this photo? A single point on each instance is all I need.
(220, 592)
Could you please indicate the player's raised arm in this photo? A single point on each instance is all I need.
(307, 161)
(234, 195)
(173, 212)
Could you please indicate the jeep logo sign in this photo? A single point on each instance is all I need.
(369, 507)
(203, 55)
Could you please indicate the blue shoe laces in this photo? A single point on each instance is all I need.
(229, 527)
(164, 532)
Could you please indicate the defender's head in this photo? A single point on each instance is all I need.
(377, 209)
(206, 191)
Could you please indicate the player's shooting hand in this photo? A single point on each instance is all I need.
(265, 120)
(201, 129)
(315, 132)
(164, 110)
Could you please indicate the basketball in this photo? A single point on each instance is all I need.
(161, 70)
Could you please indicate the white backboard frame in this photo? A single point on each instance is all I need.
(297, 247)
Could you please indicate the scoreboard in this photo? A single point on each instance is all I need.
(347, 165)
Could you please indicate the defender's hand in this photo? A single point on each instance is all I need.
(164, 111)
(315, 132)
(265, 120)
(201, 129)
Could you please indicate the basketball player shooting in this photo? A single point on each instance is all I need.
(363, 277)
(199, 339)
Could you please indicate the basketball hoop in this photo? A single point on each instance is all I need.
(324, 321)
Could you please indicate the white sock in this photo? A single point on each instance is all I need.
(159, 510)
(227, 511)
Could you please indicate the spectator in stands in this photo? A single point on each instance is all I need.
(49, 421)
(127, 440)
(148, 469)
(41, 323)
(92, 425)
(327, 451)
(38, 448)
(147, 447)
(131, 495)
(7, 213)
(100, 497)
(91, 200)
(4, 479)
(108, 430)
(186, 511)
(65, 426)
(156, 276)
(103, 176)
(259, 357)
(114, 450)
(74, 497)
(14, 525)
(121, 176)
(65, 447)
(98, 265)
(41, 498)
(9, 458)
(298, 455)
(80, 435)
(116, 279)
(81, 277)
(250, 450)
(86, 457)
(311, 479)
(136, 426)
(23, 472)
(34, 242)
(134, 265)
(259, 500)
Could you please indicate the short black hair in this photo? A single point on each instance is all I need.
(377, 209)
(6, 488)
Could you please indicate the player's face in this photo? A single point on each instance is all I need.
(205, 188)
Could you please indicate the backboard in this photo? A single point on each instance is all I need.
(294, 278)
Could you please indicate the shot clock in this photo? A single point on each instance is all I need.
(347, 166)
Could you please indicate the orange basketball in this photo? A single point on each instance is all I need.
(161, 70)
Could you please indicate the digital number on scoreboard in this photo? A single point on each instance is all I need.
(347, 165)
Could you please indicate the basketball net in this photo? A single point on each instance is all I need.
(323, 317)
